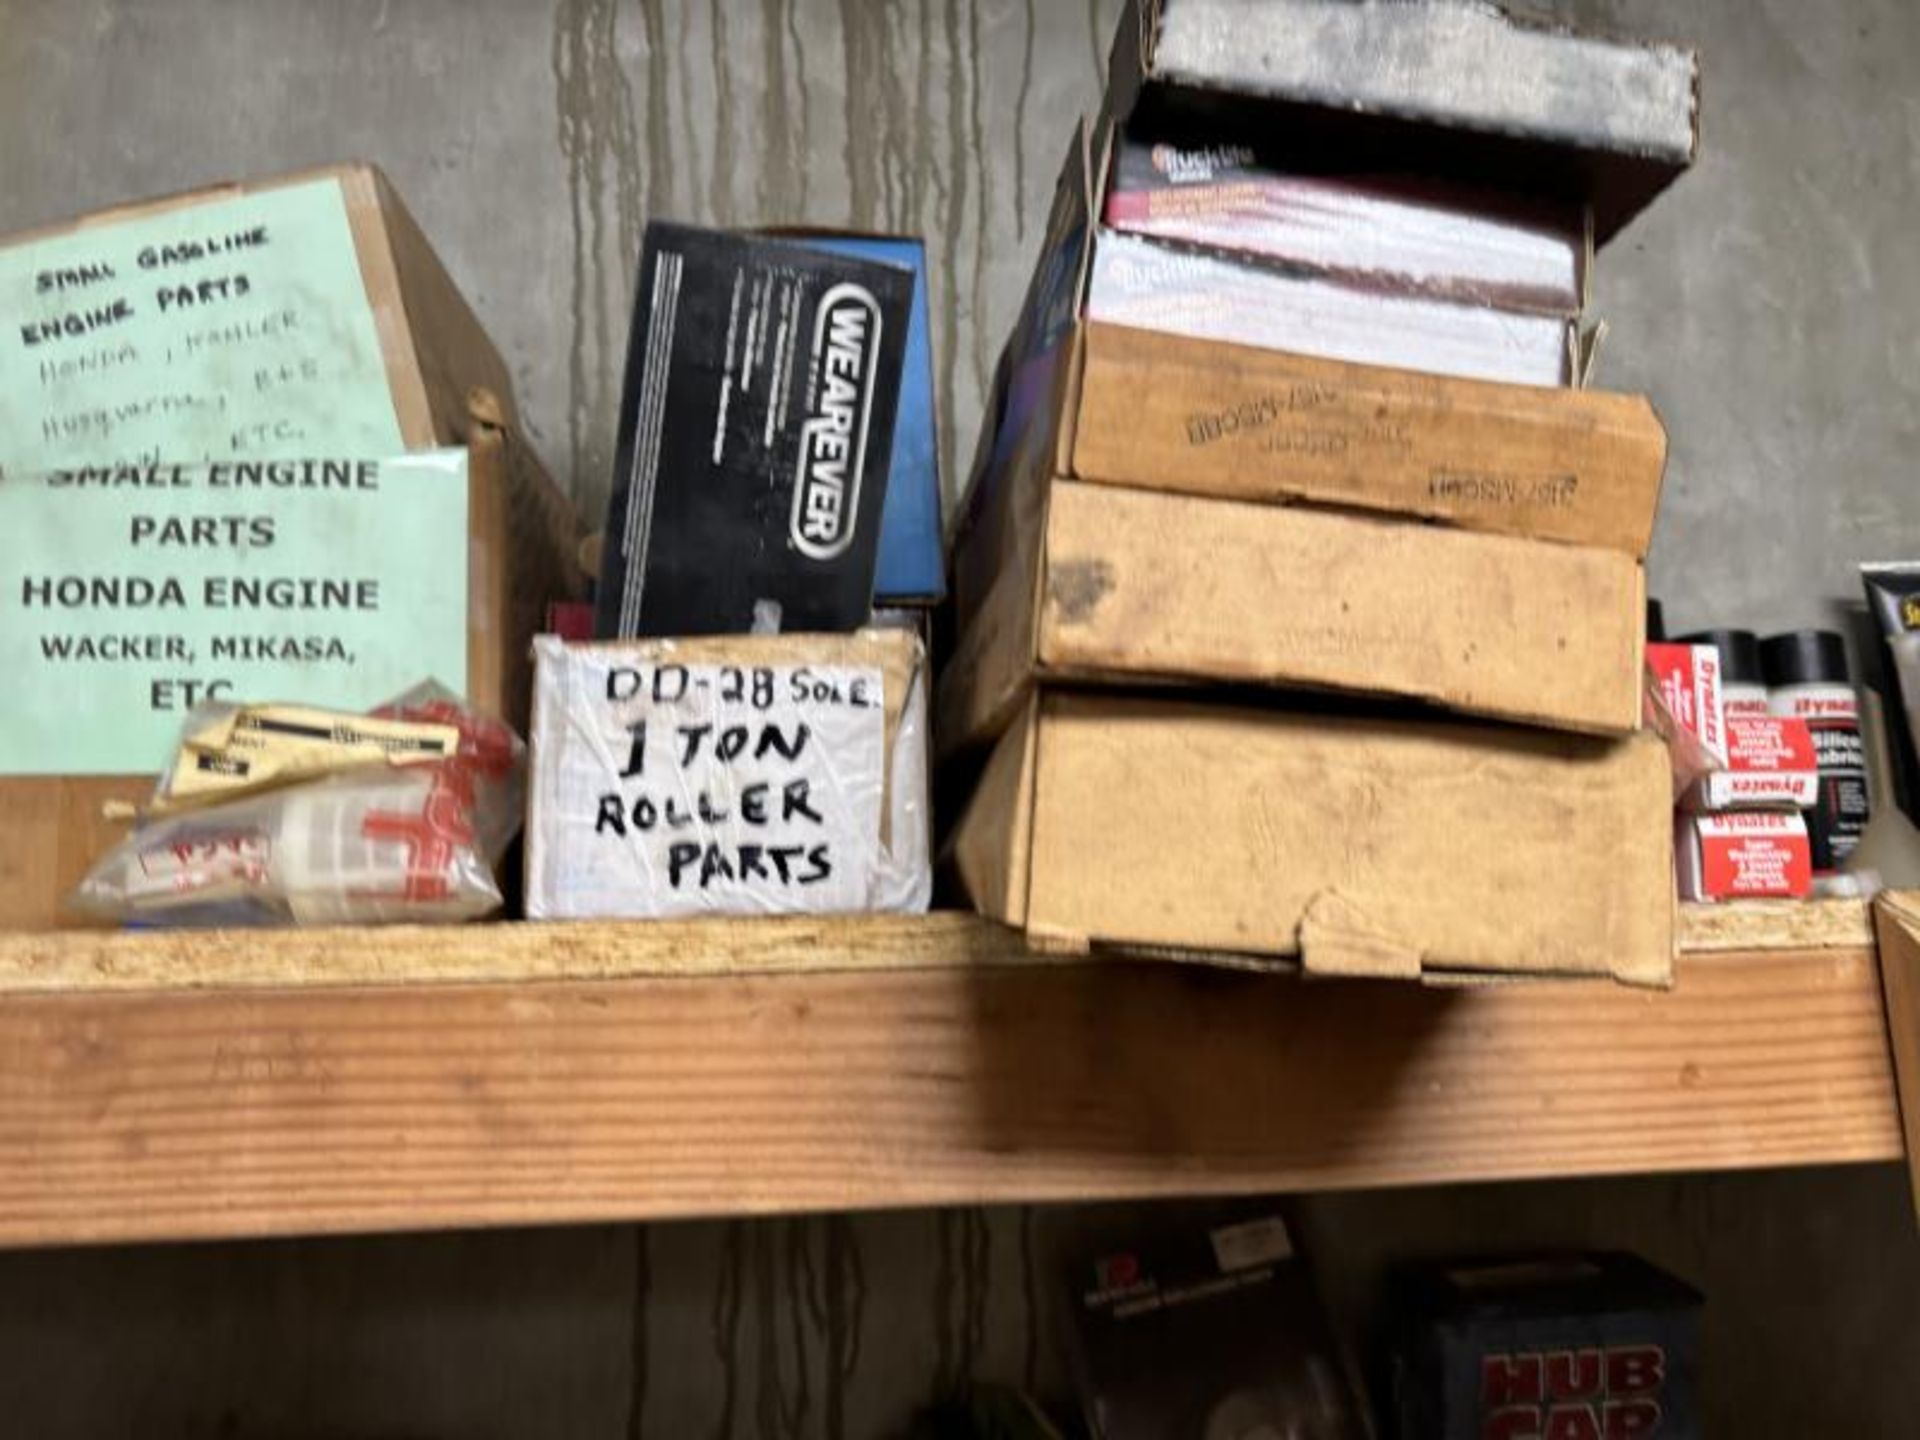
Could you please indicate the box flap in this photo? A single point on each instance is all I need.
(991, 847)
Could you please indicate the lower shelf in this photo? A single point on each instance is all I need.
(248, 1108)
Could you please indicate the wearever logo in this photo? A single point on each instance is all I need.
(833, 441)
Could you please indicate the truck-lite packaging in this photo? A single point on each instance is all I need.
(1575, 1347)
(729, 775)
(280, 328)
(756, 436)
(1759, 855)
(1362, 845)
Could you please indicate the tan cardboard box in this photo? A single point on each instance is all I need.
(1114, 584)
(1581, 466)
(448, 386)
(1363, 846)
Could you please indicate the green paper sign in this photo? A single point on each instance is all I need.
(129, 593)
(236, 327)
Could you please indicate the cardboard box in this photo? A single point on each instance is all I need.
(730, 775)
(1363, 846)
(1743, 856)
(1122, 406)
(350, 336)
(1599, 1345)
(1460, 89)
(1133, 585)
(912, 565)
(756, 437)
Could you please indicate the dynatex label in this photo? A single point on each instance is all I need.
(756, 433)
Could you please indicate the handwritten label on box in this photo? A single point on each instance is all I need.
(232, 327)
(664, 789)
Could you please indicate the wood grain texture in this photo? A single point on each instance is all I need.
(497, 953)
(1898, 919)
(100, 961)
(237, 1113)
(1777, 925)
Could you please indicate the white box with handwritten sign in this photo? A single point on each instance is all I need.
(744, 775)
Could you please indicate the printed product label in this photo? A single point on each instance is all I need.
(130, 593)
(236, 327)
(1754, 861)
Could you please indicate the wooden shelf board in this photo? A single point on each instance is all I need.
(100, 961)
(241, 1104)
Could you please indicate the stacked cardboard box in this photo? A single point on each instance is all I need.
(1167, 525)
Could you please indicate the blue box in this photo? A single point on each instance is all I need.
(912, 563)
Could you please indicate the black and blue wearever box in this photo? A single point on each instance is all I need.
(912, 569)
(756, 437)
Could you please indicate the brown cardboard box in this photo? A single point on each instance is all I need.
(1581, 466)
(449, 387)
(1364, 846)
(1115, 584)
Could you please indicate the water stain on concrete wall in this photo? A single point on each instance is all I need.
(914, 117)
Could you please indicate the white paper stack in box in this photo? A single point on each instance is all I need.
(301, 318)
(1172, 540)
(729, 775)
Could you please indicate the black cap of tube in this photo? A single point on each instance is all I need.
(1656, 622)
(1805, 657)
(1739, 654)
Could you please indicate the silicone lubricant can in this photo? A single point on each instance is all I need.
(1807, 679)
(1743, 682)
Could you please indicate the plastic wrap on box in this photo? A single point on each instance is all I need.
(729, 775)
(376, 842)
(1206, 296)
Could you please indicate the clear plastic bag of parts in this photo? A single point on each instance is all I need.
(289, 815)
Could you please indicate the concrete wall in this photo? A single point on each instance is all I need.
(1767, 305)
